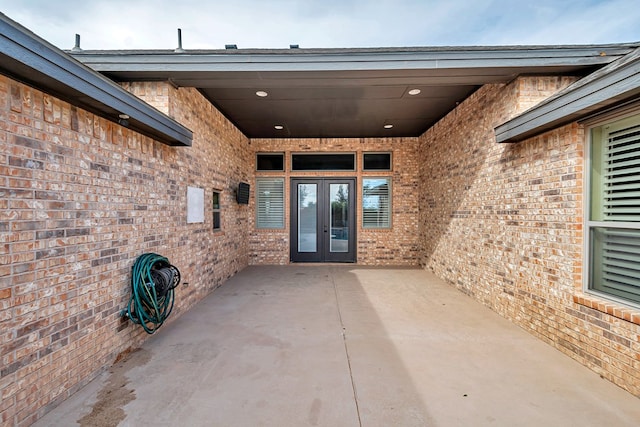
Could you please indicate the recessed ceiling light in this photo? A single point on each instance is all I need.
(389, 126)
(261, 93)
(414, 91)
(279, 127)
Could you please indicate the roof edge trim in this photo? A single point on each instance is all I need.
(34, 61)
(613, 84)
(350, 60)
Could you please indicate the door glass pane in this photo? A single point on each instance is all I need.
(307, 218)
(339, 217)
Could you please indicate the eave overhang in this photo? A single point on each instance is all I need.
(27, 58)
(612, 85)
(338, 93)
(357, 59)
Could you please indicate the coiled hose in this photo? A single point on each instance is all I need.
(153, 280)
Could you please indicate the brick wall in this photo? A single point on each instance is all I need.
(395, 246)
(82, 197)
(503, 223)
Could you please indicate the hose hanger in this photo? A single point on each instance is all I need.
(153, 280)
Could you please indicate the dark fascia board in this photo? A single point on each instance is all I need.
(617, 83)
(288, 60)
(30, 59)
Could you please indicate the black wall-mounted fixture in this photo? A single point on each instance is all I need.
(242, 195)
(123, 120)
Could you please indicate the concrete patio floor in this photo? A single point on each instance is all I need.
(345, 346)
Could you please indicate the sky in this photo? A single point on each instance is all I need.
(211, 24)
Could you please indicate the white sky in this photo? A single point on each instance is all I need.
(206, 24)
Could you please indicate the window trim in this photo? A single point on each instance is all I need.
(589, 125)
(390, 186)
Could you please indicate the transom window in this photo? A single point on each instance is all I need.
(270, 162)
(376, 161)
(614, 211)
(325, 162)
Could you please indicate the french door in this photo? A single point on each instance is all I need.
(323, 220)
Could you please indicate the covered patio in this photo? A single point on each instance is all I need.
(344, 345)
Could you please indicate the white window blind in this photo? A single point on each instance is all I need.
(615, 245)
(270, 203)
(622, 174)
(376, 202)
(617, 269)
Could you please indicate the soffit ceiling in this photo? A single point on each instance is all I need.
(334, 93)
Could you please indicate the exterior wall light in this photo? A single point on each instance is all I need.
(123, 120)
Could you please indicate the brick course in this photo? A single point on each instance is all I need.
(82, 197)
(503, 223)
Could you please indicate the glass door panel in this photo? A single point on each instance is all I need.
(307, 218)
(339, 217)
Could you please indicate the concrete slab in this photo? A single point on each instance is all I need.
(345, 346)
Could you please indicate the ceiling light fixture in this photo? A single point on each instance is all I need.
(261, 93)
(123, 119)
(278, 127)
(413, 92)
(388, 126)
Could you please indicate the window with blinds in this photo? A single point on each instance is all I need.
(376, 203)
(270, 203)
(614, 225)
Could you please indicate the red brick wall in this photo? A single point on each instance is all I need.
(395, 246)
(82, 197)
(503, 223)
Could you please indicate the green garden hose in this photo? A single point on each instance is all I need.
(153, 280)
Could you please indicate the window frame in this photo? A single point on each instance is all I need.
(389, 226)
(216, 210)
(590, 225)
(257, 201)
(321, 153)
(390, 153)
(268, 153)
